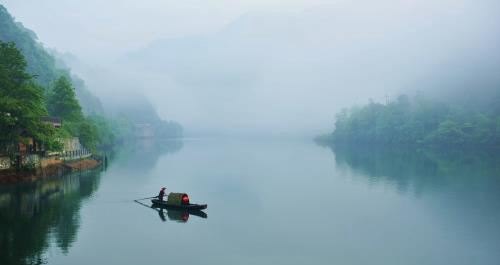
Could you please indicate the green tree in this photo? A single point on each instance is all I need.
(45, 64)
(62, 101)
(88, 134)
(448, 133)
(21, 101)
(418, 122)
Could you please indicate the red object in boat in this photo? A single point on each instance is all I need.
(185, 199)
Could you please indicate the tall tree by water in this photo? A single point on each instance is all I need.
(41, 62)
(21, 100)
(62, 101)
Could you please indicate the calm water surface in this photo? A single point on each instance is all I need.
(269, 202)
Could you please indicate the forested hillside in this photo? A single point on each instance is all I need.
(421, 121)
(24, 104)
(21, 103)
(36, 83)
(41, 63)
(137, 109)
(34, 86)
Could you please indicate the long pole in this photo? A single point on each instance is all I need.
(166, 195)
(147, 198)
(143, 204)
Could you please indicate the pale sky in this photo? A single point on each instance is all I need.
(266, 65)
(95, 28)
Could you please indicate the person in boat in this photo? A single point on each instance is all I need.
(161, 194)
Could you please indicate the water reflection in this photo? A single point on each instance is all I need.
(459, 187)
(181, 216)
(272, 203)
(46, 213)
(177, 215)
(143, 154)
(424, 170)
(35, 215)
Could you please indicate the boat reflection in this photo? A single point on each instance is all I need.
(177, 215)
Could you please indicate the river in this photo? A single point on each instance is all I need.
(269, 202)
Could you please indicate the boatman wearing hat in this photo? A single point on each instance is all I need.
(161, 194)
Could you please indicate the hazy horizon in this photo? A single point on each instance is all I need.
(275, 67)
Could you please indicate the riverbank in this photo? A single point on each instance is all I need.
(61, 167)
(83, 164)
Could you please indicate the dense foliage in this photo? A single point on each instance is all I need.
(62, 101)
(43, 86)
(418, 121)
(41, 63)
(21, 101)
(35, 83)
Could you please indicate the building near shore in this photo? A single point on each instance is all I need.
(33, 154)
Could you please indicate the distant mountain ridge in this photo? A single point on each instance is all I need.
(319, 61)
(42, 63)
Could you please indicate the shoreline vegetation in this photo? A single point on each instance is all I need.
(57, 169)
(419, 122)
(48, 117)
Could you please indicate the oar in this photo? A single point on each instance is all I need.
(147, 198)
(166, 195)
(143, 204)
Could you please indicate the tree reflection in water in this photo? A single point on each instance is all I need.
(462, 187)
(35, 215)
(423, 170)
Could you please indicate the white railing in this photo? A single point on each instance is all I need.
(75, 154)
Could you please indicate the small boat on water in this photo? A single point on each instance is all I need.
(189, 206)
(178, 201)
(175, 213)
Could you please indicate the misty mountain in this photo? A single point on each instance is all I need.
(328, 58)
(365, 46)
(42, 62)
(230, 58)
(121, 114)
(121, 95)
(122, 98)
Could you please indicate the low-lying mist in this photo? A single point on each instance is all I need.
(280, 71)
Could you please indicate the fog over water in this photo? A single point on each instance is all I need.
(409, 179)
(279, 67)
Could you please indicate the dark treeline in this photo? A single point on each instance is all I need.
(35, 83)
(420, 121)
(42, 63)
(24, 103)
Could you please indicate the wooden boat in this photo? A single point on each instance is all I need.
(189, 206)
